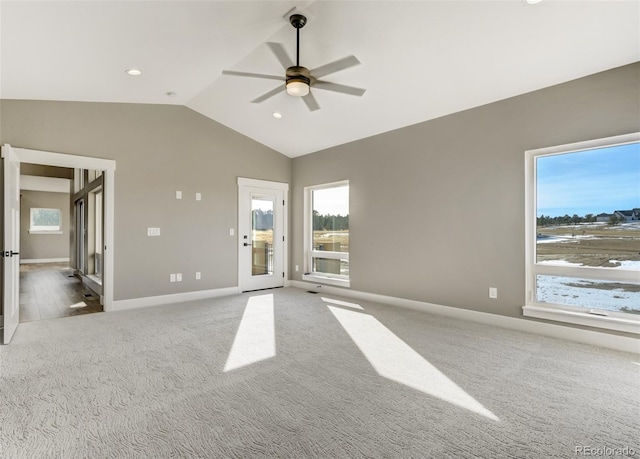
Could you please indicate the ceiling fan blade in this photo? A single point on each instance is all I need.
(335, 87)
(269, 94)
(253, 75)
(335, 66)
(278, 50)
(311, 102)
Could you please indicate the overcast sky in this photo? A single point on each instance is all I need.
(332, 201)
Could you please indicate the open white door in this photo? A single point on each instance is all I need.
(262, 223)
(11, 249)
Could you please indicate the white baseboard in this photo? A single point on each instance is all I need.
(27, 261)
(606, 340)
(122, 305)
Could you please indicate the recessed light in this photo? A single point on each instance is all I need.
(133, 72)
(533, 2)
(277, 115)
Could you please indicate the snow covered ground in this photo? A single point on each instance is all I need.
(585, 293)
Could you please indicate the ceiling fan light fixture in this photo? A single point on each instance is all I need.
(298, 86)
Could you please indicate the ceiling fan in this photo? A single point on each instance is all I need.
(299, 80)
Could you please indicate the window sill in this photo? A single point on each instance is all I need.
(44, 232)
(326, 280)
(582, 318)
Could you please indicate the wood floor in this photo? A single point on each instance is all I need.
(50, 291)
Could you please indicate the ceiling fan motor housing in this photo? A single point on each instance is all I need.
(298, 73)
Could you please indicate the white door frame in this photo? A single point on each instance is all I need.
(244, 183)
(108, 166)
(11, 244)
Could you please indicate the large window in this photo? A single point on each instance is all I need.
(45, 221)
(583, 233)
(327, 233)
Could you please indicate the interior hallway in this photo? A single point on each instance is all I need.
(50, 291)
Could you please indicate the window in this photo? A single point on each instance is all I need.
(583, 233)
(45, 221)
(327, 233)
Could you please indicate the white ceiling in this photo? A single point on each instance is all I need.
(420, 59)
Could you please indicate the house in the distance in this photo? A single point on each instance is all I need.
(628, 215)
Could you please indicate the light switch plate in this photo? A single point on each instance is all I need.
(178, 194)
(198, 196)
(153, 231)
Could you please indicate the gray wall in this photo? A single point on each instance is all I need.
(39, 246)
(158, 149)
(437, 209)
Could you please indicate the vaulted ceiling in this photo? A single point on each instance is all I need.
(419, 59)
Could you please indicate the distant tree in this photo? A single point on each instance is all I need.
(614, 220)
(330, 222)
(589, 218)
(576, 219)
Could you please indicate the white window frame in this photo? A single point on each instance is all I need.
(310, 254)
(612, 320)
(38, 229)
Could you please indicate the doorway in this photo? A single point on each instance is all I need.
(55, 227)
(262, 211)
(13, 157)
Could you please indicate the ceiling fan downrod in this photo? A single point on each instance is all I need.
(298, 21)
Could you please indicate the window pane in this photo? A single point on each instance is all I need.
(45, 219)
(261, 236)
(587, 208)
(588, 293)
(331, 266)
(331, 219)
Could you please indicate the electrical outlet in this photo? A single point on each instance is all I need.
(179, 277)
(493, 292)
(198, 196)
(172, 277)
(178, 194)
(153, 231)
(232, 232)
(297, 268)
(198, 276)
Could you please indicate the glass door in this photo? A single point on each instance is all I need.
(262, 232)
(98, 235)
(80, 235)
(261, 238)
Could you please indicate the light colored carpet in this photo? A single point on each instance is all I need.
(306, 376)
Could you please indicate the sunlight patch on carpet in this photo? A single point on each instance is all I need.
(255, 339)
(343, 303)
(393, 359)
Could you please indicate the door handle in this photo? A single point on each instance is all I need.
(246, 244)
(9, 253)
